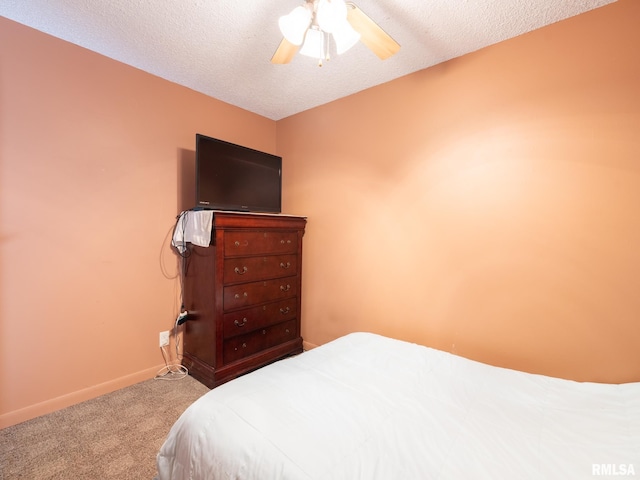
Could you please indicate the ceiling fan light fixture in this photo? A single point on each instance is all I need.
(309, 28)
(331, 14)
(294, 25)
(313, 45)
(345, 37)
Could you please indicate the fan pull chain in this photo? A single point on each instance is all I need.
(327, 55)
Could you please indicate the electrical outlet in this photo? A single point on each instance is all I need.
(164, 338)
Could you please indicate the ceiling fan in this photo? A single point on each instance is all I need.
(311, 27)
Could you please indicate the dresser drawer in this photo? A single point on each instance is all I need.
(255, 293)
(242, 346)
(248, 319)
(238, 243)
(248, 269)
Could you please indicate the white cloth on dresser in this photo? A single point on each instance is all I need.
(193, 226)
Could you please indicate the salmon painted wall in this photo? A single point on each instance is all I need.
(488, 206)
(96, 160)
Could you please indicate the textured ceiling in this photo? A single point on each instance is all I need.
(222, 48)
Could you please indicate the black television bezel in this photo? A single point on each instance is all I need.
(256, 156)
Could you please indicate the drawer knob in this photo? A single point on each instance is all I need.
(244, 244)
(237, 295)
(285, 288)
(286, 330)
(285, 310)
(240, 323)
(285, 265)
(264, 332)
(283, 242)
(244, 345)
(241, 272)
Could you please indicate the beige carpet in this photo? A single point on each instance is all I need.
(115, 436)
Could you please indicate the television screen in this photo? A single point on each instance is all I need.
(232, 177)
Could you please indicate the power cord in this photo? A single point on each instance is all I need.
(172, 371)
(177, 371)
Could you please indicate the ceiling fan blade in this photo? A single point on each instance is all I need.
(285, 52)
(370, 33)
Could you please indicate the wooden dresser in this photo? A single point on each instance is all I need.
(243, 295)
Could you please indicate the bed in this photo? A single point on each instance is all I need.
(370, 407)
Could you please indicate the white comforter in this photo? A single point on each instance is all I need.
(370, 407)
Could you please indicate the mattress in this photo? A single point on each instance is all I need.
(370, 407)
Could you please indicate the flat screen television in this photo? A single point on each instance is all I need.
(233, 177)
